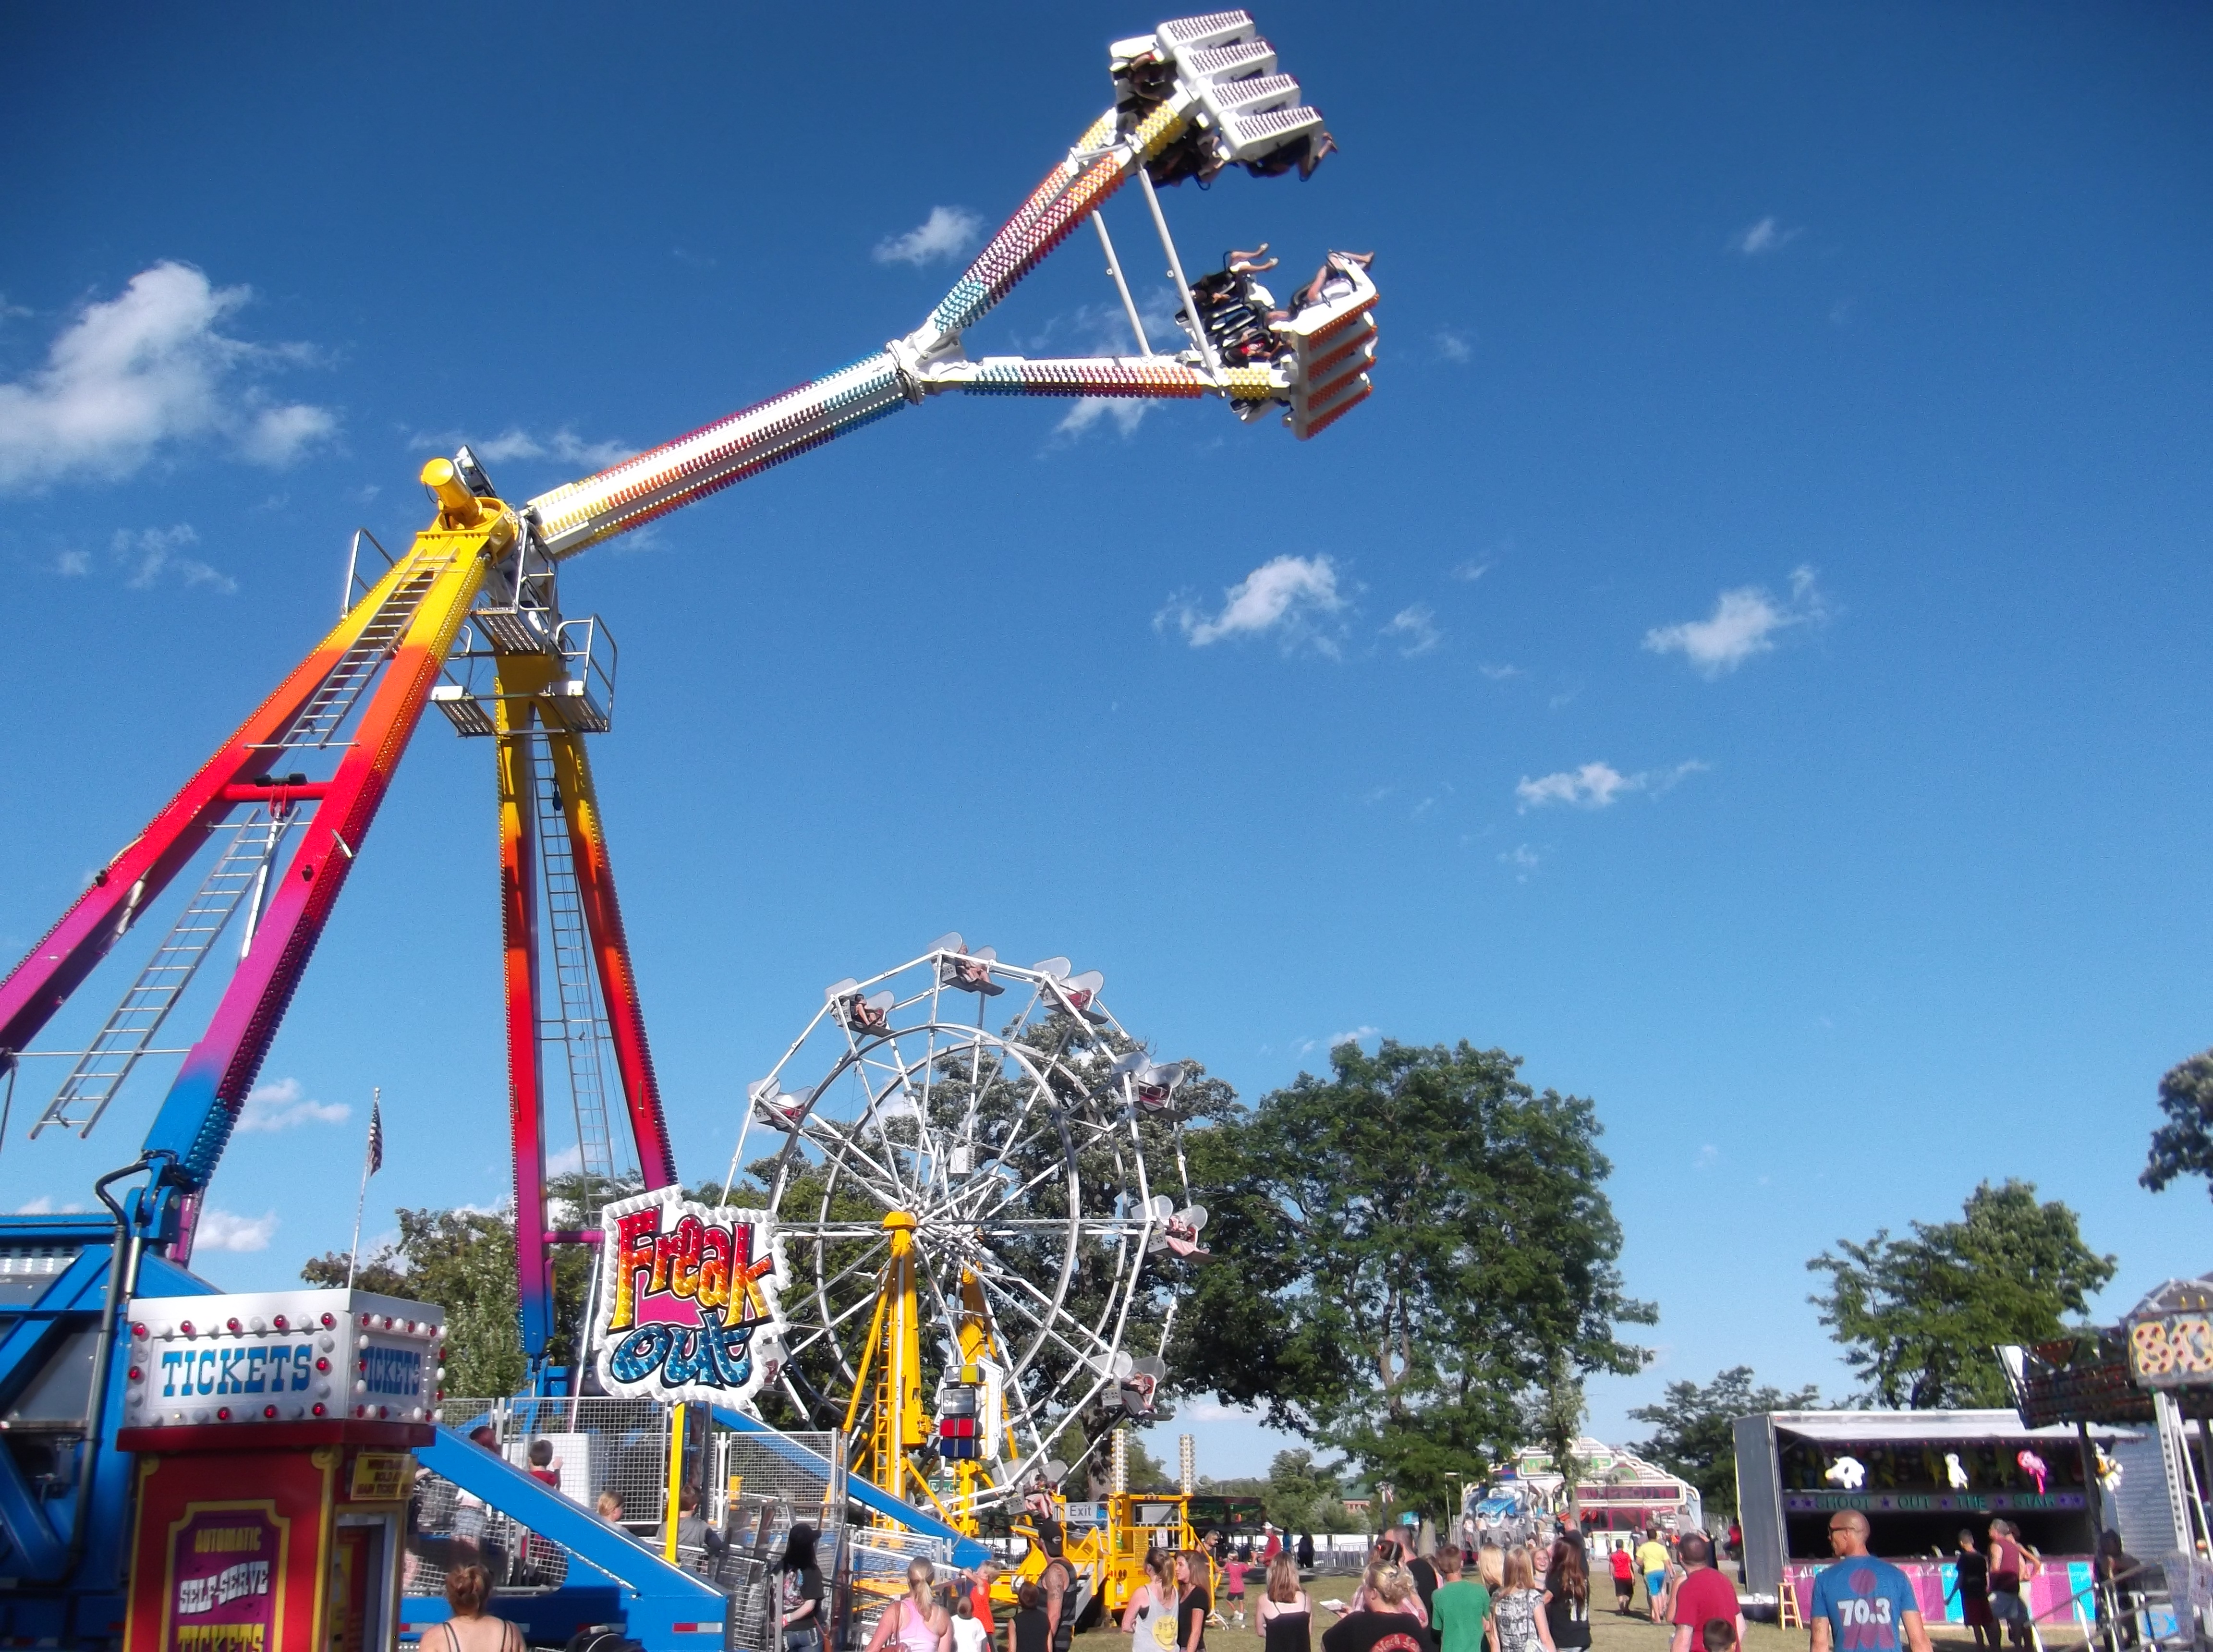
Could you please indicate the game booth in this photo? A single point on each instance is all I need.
(1616, 1494)
(1922, 1478)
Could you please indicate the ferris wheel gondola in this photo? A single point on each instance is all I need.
(969, 1215)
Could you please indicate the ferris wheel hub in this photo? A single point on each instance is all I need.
(897, 1220)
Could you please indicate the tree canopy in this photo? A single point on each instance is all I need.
(1305, 1496)
(1920, 1316)
(1424, 1258)
(1690, 1431)
(464, 1261)
(2183, 1146)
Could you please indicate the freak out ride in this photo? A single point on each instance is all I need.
(1013, 1207)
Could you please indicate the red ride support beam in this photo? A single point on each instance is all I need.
(526, 1093)
(595, 888)
(199, 1113)
(72, 950)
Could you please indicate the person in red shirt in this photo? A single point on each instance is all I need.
(980, 1592)
(1625, 1580)
(544, 1467)
(1704, 1594)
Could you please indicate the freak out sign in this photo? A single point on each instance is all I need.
(688, 1301)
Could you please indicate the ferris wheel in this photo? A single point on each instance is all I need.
(970, 1166)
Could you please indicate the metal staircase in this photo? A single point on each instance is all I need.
(321, 718)
(99, 1072)
(581, 1025)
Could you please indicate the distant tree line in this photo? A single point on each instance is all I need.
(1416, 1269)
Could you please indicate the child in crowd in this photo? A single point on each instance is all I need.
(968, 1635)
(1233, 1589)
(544, 1466)
(1718, 1635)
(1032, 1632)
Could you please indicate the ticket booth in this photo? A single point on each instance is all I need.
(273, 1438)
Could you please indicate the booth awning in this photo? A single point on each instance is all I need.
(1887, 1427)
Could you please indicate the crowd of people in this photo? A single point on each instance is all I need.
(1505, 1588)
(1532, 1595)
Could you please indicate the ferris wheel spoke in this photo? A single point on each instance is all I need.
(838, 1146)
(1056, 1316)
(1050, 1328)
(1099, 1228)
(828, 1231)
(1049, 1173)
(830, 1325)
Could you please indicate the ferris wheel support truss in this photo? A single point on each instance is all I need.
(1198, 96)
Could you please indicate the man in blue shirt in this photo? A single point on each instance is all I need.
(1861, 1603)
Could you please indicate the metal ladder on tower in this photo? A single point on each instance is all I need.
(581, 1025)
(99, 1072)
(320, 719)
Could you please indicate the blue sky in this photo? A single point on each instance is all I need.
(1747, 659)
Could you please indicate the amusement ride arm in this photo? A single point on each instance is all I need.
(1198, 96)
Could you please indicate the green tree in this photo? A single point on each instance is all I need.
(1301, 1492)
(1146, 1472)
(1919, 1317)
(1690, 1431)
(2183, 1146)
(464, 1261)
(1421, 1244)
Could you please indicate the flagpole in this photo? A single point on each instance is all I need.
(353, 1260)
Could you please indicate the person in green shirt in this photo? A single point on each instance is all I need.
(1459, 1606)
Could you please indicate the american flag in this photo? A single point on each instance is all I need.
(376, 1135)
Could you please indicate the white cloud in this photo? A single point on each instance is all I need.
(1768, 235)
(225, 1230)
(564, 444)
(280, 435)
(1472, 570)
(144, 370)
(1284, 595)
(148, 554)
(567, 1163)
(73, 564)
(1500, 674)
(1126, 411)
(1598, 786)
(1743, 623)
(1595, 785)
(1358, 1034)
(1452, 345)
(44, 1205)
(1521, 860)
(1416, 628)
(284, 1105)
(947, 233)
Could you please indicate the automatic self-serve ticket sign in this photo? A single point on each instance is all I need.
(225, 1567)
(226, 1554)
